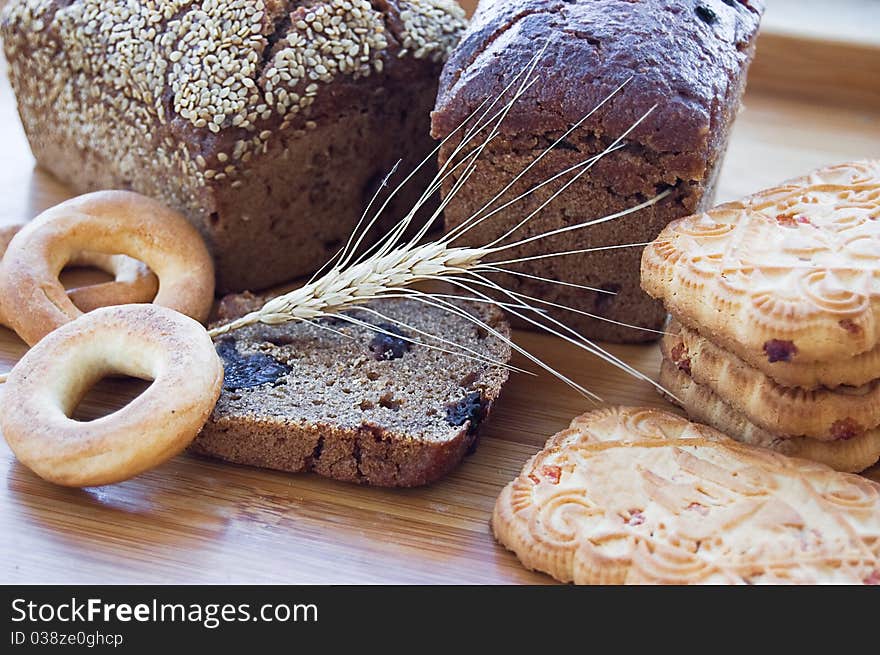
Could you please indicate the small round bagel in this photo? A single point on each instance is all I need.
(133, 281)
(109, 222)
(142, 341)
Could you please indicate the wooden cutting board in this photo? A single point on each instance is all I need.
(195, 520)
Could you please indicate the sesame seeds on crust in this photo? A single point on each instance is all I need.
(431, 28)
(112, 72)
(340, 37)
(215, 54)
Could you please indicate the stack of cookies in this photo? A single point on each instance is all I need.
(775, 337)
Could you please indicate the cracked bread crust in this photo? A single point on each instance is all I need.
(691, 64)
(252, 117)
(367, 408)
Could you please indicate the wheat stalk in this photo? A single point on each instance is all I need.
(385, 275)
(340, 289)
(392, 266)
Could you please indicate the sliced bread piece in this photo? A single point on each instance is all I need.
(352, 403)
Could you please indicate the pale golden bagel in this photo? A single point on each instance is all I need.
(110, 222)
(6, 234)
(142, 341)
(133, 281)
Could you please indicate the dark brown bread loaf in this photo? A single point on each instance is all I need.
(269, 123)
(367, 407)
(688, 56)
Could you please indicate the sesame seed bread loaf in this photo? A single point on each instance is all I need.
(268, 123)
(352, 403)
(689, 57)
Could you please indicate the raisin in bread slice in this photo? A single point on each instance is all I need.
(366, 407)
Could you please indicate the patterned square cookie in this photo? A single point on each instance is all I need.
(789, 275)
(641, 496)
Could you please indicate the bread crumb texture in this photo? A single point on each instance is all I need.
(330, 370)
(236, 71)
(370, 402)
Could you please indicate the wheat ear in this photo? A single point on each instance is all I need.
(391, 267)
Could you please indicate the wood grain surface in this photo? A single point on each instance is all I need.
(196, 520)
(834, 72)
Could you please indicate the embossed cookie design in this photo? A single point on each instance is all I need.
(788, 275)
(641, 496)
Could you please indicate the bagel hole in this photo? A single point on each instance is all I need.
(108, 396)
(73, 277)
(78, 276)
